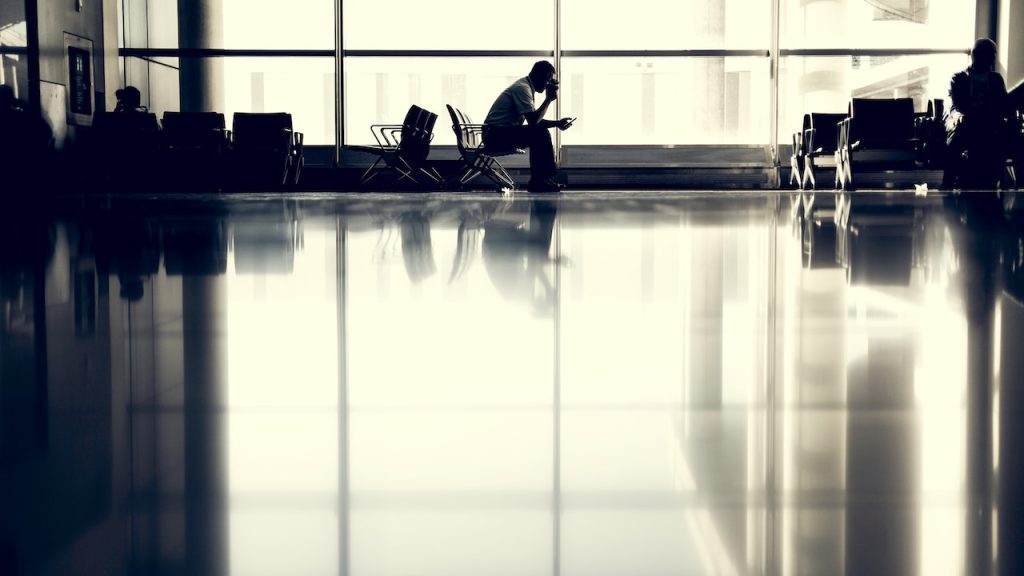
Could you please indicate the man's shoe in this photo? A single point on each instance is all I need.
(545, 185)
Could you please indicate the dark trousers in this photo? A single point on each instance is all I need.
(537, 139)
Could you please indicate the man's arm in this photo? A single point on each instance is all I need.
(537, 116)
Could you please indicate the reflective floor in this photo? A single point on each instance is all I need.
(593, 384)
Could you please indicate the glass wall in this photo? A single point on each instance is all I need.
(14, 48)
(832, 50)
(647, 72)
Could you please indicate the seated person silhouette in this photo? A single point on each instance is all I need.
(976, 129)
(515, 122)
(129, 99)
(25, 141)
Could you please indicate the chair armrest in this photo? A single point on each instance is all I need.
(473, 127)
(380, 134)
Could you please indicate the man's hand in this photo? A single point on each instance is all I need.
(565, 123)
(551, 92)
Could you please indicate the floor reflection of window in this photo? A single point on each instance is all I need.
(450, 394)
(282, 414)
(663, 374)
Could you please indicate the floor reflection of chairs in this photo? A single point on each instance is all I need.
(875, 241)
(265, 246)
(818, 231)
(195, 247)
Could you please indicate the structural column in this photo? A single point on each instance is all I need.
(201, 80)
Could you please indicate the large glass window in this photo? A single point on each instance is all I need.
(826, 83)
(682, 100)
(643, 73)
(13, 49)
(301, 86)
(448, 25)
(381, 89)
(272, 24)
(900, 24)
(660, 25)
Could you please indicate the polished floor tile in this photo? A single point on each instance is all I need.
(739, 383)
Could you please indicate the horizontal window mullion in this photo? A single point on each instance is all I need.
(698, 53)
(221, 53)
(447, 53)
(242, 53)
(870, 51)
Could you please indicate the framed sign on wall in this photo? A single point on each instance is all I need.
(78, 64)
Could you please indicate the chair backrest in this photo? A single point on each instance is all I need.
(826, 131)
(465, 138)
(874, 119)
(125, 129)
(193, 129)
(125, 121)
(262, 130)
(417, 132)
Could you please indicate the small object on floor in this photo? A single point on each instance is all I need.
(921, 189)
(546, 185)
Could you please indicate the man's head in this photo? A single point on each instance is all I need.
(541, 73)
(983, 55)
(128, 98)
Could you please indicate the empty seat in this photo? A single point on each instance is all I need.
(879, 133)
(403, 148)
(821, 140)
(265, 151)
(193, 146)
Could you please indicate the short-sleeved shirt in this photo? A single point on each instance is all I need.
(512, 105)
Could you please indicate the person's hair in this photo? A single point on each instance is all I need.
(128, 98)
(984, 52)
(542, 67)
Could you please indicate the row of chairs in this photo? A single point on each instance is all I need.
(879, 135)
(403, 149)
(874, 133)
(260, 150)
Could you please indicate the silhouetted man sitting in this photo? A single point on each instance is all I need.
(976, 122)
(129, 99)
(504, 127)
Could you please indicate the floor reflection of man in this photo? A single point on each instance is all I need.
(517, 254)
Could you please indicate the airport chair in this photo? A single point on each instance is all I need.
(796, 160)
(265, 150)
(193, 146)
(821, 140)
(476, 157)
(878, 133)
(930, 131)
(125, 146)
(403, 148)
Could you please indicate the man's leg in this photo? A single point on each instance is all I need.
(542, 155)
(537, 139)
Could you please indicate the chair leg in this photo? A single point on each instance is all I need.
(503, 177)
(370, 172)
